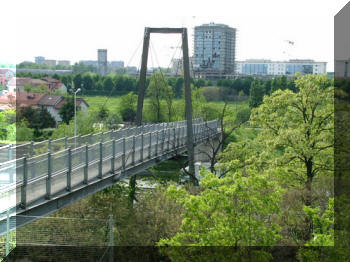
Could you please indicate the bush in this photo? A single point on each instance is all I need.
(212, 93)
(23, 132)
(112, 121)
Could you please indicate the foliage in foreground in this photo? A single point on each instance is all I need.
(237, 210)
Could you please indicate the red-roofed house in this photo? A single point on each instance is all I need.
(53, 104)
(50, 102)
(24, 99)
(7, 101)
(18, 83)
(55, 84)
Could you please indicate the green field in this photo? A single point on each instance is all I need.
(112, 103)
(95, 102)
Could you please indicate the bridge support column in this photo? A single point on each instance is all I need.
(186, 70)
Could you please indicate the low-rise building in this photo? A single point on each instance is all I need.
(5, 76)
(275, 68)
(63, 62)
(50, 62)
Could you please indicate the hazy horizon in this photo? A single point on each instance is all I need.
(74, 31)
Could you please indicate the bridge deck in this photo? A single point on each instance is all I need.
(44, 183)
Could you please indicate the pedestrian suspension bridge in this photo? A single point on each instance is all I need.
(37, 179)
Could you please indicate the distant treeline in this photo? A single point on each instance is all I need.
(114, 84)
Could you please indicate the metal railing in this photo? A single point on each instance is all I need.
(10, 152)
(39, 177)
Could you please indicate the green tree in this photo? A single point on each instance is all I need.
(236, 210)
(323, 225)
(155, 91)
(279, 83)
(77, 81)
(127, 107)
(179, 83)
(169, 99)
(66, 112)
(87, 82)
(46, 119)
(257, 91)
(108, 84)
(297, 129)
(103, 113)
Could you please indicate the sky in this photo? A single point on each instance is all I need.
(74, 30)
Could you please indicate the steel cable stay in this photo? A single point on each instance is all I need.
(127, 65)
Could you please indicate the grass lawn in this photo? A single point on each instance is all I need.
(112, 103)
(95, 102)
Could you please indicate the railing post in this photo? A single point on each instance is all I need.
(69, 167)
(102, 140)
(174, 142)
(123, 156)
(113, 156)
(163, 138)
(150, 146)
(24, 184)
(31, 148)
(168, 130)
(9, 152)
(141, 152)
(178, 137)
(86, 170)
(66, 142)
(157, 141)
(49, 144)
(49, 175)
(133, 150)
(79, 140)
(100, 162)
(90, 139)
(7, 251)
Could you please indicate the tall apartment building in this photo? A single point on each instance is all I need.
(39, 60)
(102, 61)
(214, 48)
(291, 67)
